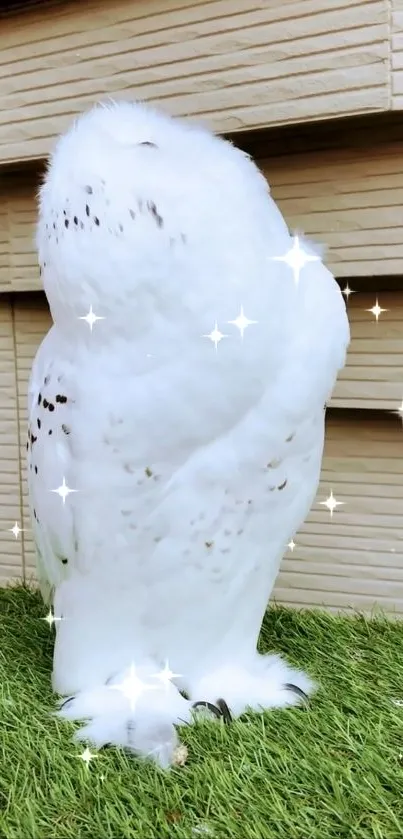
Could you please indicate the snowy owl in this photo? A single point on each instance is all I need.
(175, 442)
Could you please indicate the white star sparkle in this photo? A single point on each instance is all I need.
(50, 618)
(347, 291)
(215, 336)
(86, 756)
(376, 310)
(91, 318)
(132, 687)
(242, 322)
(166, 675)
(16, 530)
(64, 490)
(331, 503)
(291, 545)
(296, 258)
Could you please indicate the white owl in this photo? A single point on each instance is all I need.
(193, 446)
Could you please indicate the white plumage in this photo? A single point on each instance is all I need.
(192, 466)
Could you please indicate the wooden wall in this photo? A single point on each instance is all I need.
(234, 64)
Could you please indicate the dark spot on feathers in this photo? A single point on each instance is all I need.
(96, 219)
(36, 470)
(154, 212)
(46, 380)
(54, 225)
(148, 472)
(45, 403)
(89, 189)
(81, 225)
(121, 228)
(39, 399)
(65, 212)
(61, 399)
(51, 407)
(35, 516)
(27, 445)
(66, 429)
(64, 560)
(291, 437)
(50, 431)
(87, 210)
(66, 222)
(33, 439)
(38, 422)
(132, 213)
(282, 485)
(147, 143)
(209, 544)
(75, 220)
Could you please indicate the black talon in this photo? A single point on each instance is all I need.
(219, 710)
(295, 689)
(66, 702)
(213, 708)
(225, 711)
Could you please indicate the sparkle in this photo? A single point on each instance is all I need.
(291, 545)
(398, 702)
(86, 756)
(296, 258)
(132, 687)
(63, 490)
(166, 675)
(242, 322)
(215, 336)
(91, 318)
(50, 618)
(347, 291)
(376, 310)
(16, 530)
(331, 503)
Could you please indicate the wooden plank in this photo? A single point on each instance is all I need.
(233, 63)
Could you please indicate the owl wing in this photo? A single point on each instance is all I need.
(50, 462)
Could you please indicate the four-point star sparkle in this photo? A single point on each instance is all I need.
(296, 258)
(215, 336)
(331, 503)
(63, 490)
(166, 675)
(347, 291)
(50, 618)
(16, 530)
(91, 318)
(86, 756)
(376, 310)
(242, 322)
(132, 687)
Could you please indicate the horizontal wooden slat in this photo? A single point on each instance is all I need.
(373, 376)
(233, 64)
(353, 559)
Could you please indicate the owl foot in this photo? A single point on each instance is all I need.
(266, 682)
(220, 710)
(144, 725)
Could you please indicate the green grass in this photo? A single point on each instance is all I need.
(332, 771)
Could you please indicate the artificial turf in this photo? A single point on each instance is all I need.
(334, 770)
